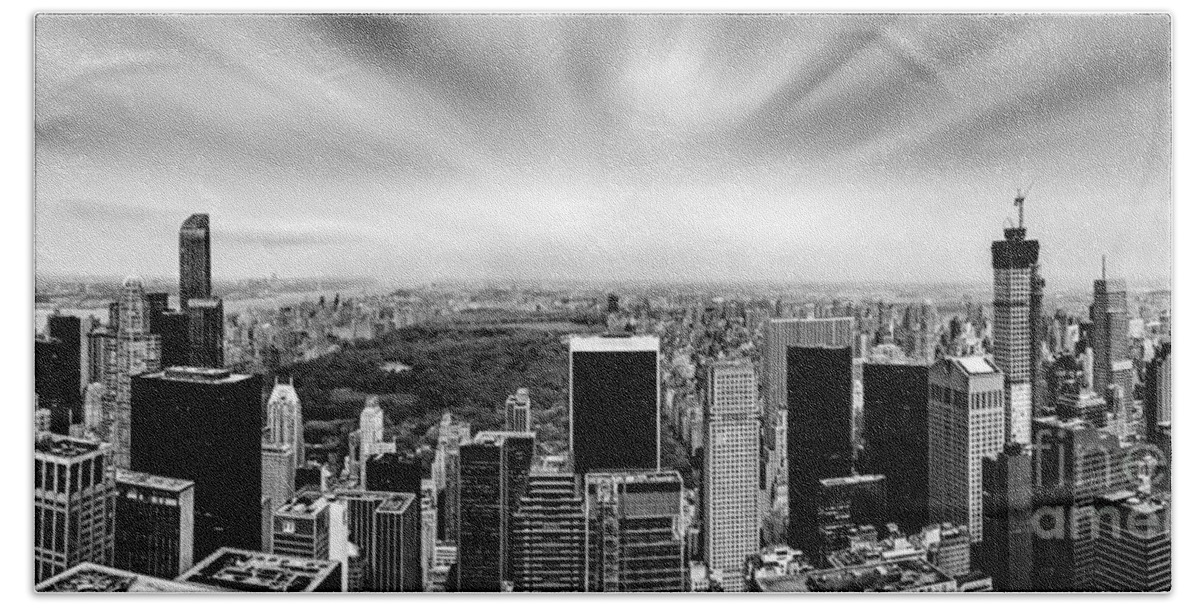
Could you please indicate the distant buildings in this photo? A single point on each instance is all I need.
(155, 519)
(966, 424)
(614, 403)
(205, 425)
(731, 470)
(73, 513)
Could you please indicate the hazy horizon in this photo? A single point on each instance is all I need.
(757, 149)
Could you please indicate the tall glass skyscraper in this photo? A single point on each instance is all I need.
(614, 403)
(195, 265)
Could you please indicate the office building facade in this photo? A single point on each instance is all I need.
(731, 470)
(155, 518)
(614, 403)
(73, 510)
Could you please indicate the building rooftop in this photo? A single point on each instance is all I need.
(396, 503)
(242, 570)
(900, 575)
(62, 446)
(93, 578)
(199, 374)
(128, 477)
(308, 503)
(851, 480)
(613, 344)
(975, 365)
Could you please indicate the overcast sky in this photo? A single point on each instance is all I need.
(777, 148)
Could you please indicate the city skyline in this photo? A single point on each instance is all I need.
(719, 147)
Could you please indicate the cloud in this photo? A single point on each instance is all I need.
(751, 147)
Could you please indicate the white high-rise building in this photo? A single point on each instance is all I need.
(285, 422)
(731, 470)
(370, 429)
(966, 424)
(138, 351)
(1014, 311)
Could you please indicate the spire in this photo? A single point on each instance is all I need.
(1103, 268)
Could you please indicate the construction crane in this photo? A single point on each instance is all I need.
(1019, 203)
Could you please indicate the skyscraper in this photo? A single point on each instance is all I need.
(1157, 401)
(1007, 518)
(195, 264)
(1074, 464)
(845, 504)
(1133, 542)
(72, 504)
(494, 474)
(548, 535)
(285, 421)
(1110, 336)
(896, 437)
(205, 425)
(206, 332)
(154, 524)
(820, 444)
(1014, 264)
(396, 550)
(614, 403)
(731, 471)
(278, 479)
(67, 331)
(634, 535)
(966, 424)
(781, 333)
(393, 472)
(137, 352)
(517, 412)
(301, 527)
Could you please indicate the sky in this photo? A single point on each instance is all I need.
(774, 148)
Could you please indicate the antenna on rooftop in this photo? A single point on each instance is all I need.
(1019, 202)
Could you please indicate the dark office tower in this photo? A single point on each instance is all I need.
(308, 477)
(1110, 336)
(614, 303)
(847, 503)
(1007, 545)
(392, 472)
(819, 435)
(157, 303)
(48, 379)
(896, 423)
(1074, 463)
(206, 332)
(614, 403)
(481, 495)
(205, 425)
(633, 533)
(385, 527)
(72, 504)
(548, 535)
(396, 550)
(154, 524)
(172, 329)
(1156, 406)
(494, 475)
(1014, 266)
(1133, 543)
(195, 264)
(68, 331)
